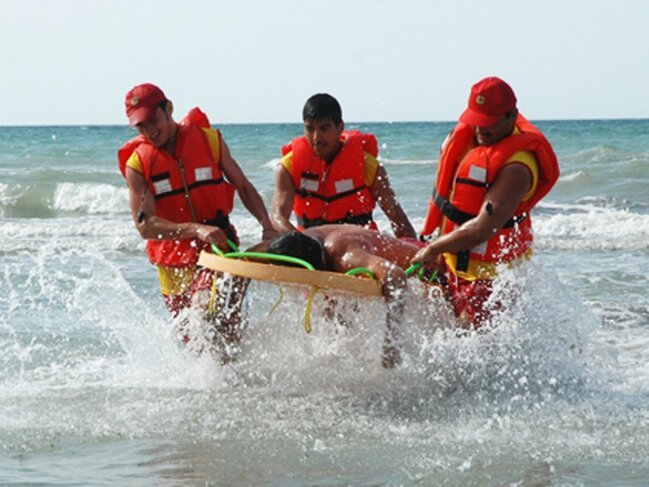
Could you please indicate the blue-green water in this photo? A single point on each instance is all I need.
(94, 389)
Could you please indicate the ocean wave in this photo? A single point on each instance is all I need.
(96, 235)
(573, 176)
(272, 163)
(23, 200)
(46, 200)
(90, 198)
(600, 203)
(604, 154)
(10, 194)
(408, 162)
(593, 228)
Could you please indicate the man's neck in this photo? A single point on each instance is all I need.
(170, 144)
(330, 159)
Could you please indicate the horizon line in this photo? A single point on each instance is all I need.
(353, 122)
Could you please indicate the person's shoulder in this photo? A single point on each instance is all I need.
(370, 159)
(372, 166)
(135, 163)
(527, 159)
(213, 137)
(287, 161)
(523, 156)
(211, 133)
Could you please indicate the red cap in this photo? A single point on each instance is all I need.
(490, 99)
(142, 102)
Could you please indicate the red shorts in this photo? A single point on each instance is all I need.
(177, 302)
(468, 298)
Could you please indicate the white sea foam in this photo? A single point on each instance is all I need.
(118, 354)
(87, 286)
(10, 194)
(593, 228)
(90, 198)
(597, 154)
(573, 176)
(272, 163)
(93, 235)
(408, 162)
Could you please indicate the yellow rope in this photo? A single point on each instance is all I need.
(279, 300)
(307, 311)
(213, 293)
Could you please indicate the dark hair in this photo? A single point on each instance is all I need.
(296, 244)
(512, 113)
(321, 106)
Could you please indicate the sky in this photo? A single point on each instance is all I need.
(68, 62)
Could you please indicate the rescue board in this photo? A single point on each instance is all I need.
(332, 281)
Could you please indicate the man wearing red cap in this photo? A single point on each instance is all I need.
(493, 169)
(181, 180)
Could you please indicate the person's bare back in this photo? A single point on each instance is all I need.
(348, 245)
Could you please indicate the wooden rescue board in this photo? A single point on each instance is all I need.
(332, 281)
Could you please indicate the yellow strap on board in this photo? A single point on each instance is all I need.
(213, 292)
(307, 311)
(279, 300)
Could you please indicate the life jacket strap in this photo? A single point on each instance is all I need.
(303, 193)
(459, 217)
(364, 219)
(190, 187)
(462, 261)
(223, 222)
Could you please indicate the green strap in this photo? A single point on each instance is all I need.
(219, 252)
(216, 249)
(414, 267)
(420, 271)
(361, 270)
(268, 256)
(258, 255)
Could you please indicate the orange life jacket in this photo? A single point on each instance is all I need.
(191, 175)
(332, 192)
(464, 175)
(194, 117)
(197, 117)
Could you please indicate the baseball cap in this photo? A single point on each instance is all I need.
(142, 102)
(489, 100)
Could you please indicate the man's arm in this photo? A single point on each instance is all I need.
(387, 200)
(499, 205)
(283, 200)
(152, 227)
(247, 192)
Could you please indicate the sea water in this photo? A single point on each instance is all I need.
(96, 390)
